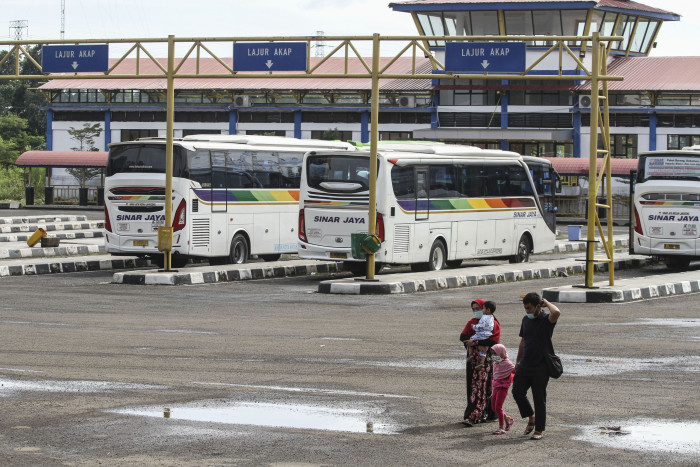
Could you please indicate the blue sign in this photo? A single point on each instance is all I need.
(269, 56)
(74, 58)
(485, 57)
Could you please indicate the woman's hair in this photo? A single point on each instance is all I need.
(532, 298)
(489, 305)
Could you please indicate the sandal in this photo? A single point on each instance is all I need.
(529, 428)
(499, 432)
(509, 425)
(537, 435)
(467, 422)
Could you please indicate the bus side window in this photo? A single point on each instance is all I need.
(403, 182)
(200, 168)
(290, 170)
(239, 168)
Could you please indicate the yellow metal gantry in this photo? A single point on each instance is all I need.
(414, 46)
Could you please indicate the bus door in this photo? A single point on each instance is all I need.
(422, 194)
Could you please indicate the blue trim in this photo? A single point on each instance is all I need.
(108, 129)
(364, 127)
(297, 124)
(652, 131)
(504, 145)
(504, 106)
(232, 121)
(434, 118)
(577, 135)
(49, 130)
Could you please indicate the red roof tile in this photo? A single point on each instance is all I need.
(653, 74)
(88, 159)
(579, 165)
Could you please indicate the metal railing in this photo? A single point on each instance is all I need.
(70, 194)
(577, 206)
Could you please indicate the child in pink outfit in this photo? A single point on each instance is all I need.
(502, 377)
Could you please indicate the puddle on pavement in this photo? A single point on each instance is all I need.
(581, 365)
(650, 435)
(186, 331)
(11, 386)
(309, 417)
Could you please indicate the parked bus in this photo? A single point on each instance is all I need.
(547, 184)
(436, 206)
(666, 206)
(232, 196)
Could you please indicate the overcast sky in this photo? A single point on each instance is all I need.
(87, 19)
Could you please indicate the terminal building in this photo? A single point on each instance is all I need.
(656, 106)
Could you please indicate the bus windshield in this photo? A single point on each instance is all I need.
(145, 158)
(330, 172)
(668, 167)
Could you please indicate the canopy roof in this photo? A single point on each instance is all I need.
(579, 165)
(67, 159)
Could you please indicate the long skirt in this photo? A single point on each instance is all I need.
(478, 393)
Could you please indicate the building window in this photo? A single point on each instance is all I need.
(449, 23)
(331, 135)
(200, 132)
(624, 146)
(395, 135)
(132, 135)
(674, 142)
(266, 132)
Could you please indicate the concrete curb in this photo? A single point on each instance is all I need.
(66, 265)
(236, 273)
(68, 235)
(41, 220)
(72, 250)
(565, 247)
(344, 286)
(621, 292)
(52, 227)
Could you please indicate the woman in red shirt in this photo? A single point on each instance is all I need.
(479, 376)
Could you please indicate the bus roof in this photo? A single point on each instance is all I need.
(211, 141)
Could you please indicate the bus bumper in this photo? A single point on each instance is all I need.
(134, 245)
(644, 245)
(310, 251)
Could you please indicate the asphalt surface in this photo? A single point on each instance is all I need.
(270, 372)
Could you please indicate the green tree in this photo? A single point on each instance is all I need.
(21, 97)
(85, 137)
(14, 140)
(331, 135)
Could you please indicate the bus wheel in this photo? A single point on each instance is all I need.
(270, 257)
(438, 256)
(677, 262)
(454, 263)
(523, 253)
(239, 250)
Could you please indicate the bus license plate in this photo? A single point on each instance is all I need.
(339, 255)
(140, 242)
(671, 246)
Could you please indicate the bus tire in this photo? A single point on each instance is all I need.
(438, 256)
(522, 254)
(270, 257)
(239, 250)
(677, 263)
(453, 263)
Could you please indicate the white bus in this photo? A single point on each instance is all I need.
(232, 196)
(436, 206)
(666, 206)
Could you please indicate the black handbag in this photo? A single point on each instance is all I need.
(556, 369)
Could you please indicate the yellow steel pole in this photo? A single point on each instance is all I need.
(593, 155)
(608, 164)
(170, 117)
(374, 136)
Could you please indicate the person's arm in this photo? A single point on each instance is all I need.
(520, 351)
(554, 312)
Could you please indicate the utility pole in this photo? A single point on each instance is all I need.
(320, 45)
(17, 28)
(63, 19)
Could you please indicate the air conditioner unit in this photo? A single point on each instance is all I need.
(407, 101)
(584, 101)
(242, 101)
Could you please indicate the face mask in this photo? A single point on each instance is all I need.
(530, 315)
(496, 358)
(478, 314)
